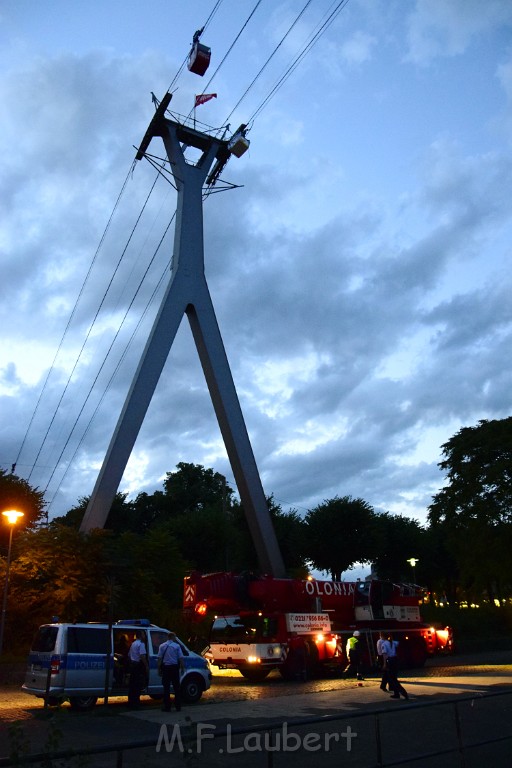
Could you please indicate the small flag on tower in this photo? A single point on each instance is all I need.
(203, 97)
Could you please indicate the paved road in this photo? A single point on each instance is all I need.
(231, 703)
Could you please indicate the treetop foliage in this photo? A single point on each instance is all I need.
(478, 465)
(16, 493)
(196, 522)
(338, 534)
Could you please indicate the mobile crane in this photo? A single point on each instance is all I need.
(254, 621)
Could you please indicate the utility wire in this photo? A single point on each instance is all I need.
(91, 327)
(110, 350)
(100, 244)
(300, 56)
(119, 363)
(267, 61)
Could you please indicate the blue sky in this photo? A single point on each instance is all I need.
(360, 274)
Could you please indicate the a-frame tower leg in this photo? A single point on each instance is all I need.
(188, 293)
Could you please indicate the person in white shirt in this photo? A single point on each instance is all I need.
(170, 663)
(392, 660)
(383, 650)
(138, 658)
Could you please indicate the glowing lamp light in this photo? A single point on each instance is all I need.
(12, 515)
(201, 609)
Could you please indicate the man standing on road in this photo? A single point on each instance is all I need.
(383, 651)
(138, 670)
(354, 655)
(395, 685)
(170, 664)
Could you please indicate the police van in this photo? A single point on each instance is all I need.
(81, 662)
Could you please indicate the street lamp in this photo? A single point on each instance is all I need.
(413, 561)
(12, 516)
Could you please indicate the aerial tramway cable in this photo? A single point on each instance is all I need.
(141, 281)
(91, 329)
(119, 362)
(300, 56)
(268, 61)
(73, 312)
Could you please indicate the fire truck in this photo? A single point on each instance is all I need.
(255, 623)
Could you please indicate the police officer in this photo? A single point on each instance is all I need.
(392, 661)
(139, 670)
(170, 663)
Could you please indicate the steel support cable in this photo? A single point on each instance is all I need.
(230, 48)
(267, 61)
(73, 312)
(141, 281)
(91, 327)
(117, 367)
(300, 56)
(161, 169)
(212, 14)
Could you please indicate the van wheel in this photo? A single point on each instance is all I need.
(82, 703)
(192, 689)
(53, 701)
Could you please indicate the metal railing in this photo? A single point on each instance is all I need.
(459, 749)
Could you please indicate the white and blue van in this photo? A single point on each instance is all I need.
(82, 662)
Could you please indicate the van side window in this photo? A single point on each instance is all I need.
(157, 638)
(44, 640)
(88, 640)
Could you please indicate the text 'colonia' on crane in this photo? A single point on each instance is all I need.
(329, 587)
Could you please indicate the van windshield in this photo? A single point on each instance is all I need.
(44, 640)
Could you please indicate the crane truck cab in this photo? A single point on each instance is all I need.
(255, 643)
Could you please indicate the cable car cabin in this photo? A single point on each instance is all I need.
(199, 58)
(238, 145)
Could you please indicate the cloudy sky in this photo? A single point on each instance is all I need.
(360, 273)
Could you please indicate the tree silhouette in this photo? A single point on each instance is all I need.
(338, 534)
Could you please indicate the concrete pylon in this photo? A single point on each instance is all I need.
(188, 294)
